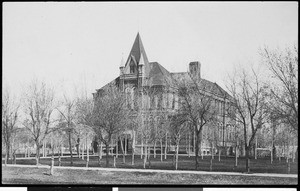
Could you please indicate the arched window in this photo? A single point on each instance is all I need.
(128, 96)
(132, 68)
(133, 103)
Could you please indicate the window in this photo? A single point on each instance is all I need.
(128, 97)
(131, 69)
(152, 102)
(133, 103)
(159, 101)
(220, 131)
(167, 100)
(173, 101)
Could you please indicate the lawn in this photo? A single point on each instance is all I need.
(261, 165)
(26, 175)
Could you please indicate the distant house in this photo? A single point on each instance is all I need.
(138, 73)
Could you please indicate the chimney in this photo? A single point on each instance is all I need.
(194, 69)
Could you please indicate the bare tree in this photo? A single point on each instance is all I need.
(196, 106)
(84, 111)
(68, 117)
(162, 129)
(249, 106)
(283, 65)
(38, 109)
(109, 116)
(10, 115)
(178, 127)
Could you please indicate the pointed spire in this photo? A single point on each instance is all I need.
(137, 51)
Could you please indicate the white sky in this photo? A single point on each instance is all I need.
(80, 44)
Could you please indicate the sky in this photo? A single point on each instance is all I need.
(77, 47)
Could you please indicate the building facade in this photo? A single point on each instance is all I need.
(160, 96)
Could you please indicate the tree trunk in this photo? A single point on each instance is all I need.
(145, 156)
(177, 151)
(196, 151)
(107, 154)
(77, 150)
(87, 155)
(37, 155)
(236, 156)
(101, 149)
(293, 153)
(123, 152)
(144, 161)
(7, 153)
(70, 148)
(80, 154)
(132, 157)
(200, 142)
(52, 145)
(255, 151)
(149, 157)
(115, 161)
(166, 145)
(14, 157)
(99, 155)
(5, 160)
(117, 147)
(82, 151)
(133, 148)
(272, 151)
(142, 148)
(189, 142)
(212, 151)
(247, 158)
(43, 149)
(212, 157)
(148, 152)
(161, 150)
(219, 152)
(154, 149)
(59, 160)
(125, 145)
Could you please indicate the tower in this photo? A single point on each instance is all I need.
(136, 66)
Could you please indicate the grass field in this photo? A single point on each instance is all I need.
(261, 165)
(26, 175)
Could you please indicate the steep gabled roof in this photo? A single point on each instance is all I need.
(158, 75)
(137, 50)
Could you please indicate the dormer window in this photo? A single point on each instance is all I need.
(132, 68)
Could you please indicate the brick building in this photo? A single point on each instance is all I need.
(138, 74)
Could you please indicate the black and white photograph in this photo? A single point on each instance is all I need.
(149, 93)
(71, 188)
